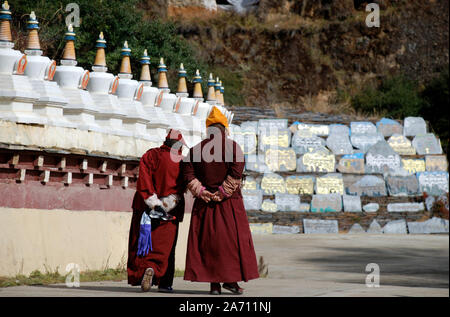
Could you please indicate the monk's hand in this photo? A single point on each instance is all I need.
(206, 195)
(217, 197)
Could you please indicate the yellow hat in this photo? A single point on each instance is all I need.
(216, 116)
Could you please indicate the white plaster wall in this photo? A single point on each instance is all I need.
(34, 239)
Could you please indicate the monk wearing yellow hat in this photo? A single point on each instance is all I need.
(220, 247)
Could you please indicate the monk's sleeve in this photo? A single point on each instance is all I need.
(189, 178)
(235, 169)
(145, 185)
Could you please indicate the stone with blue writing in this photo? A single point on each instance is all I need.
(413, 126)
(320, 161)
(352, 203)
(269, 205)
(433, 225)
(277, 229)
(287, 202)
(303, 143)
(402, 185)
(256, 163)
(356, 229)
(426, 144)
(364, 141)
(318, 226)
(252, 199)
(381, 158)
(353, 164)
(326, 203)
(436, 163)
(374, 228)
(339, 144)
(368, 185)
(362, 127)
(340, 129)
(389, 127)
(395, 227)
(433, 183)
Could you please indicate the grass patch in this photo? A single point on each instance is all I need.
(38, 278)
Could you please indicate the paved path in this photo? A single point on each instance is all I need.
(313, 265)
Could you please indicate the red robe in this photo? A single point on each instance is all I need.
(160, 174)
(220, 246)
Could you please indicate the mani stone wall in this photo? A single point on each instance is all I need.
(327, 178)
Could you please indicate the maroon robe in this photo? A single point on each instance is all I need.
(160, 174)
(220, 246)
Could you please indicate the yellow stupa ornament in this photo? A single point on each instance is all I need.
(198, 92)
(145, 70)
(182, 85)
(69, 49)
(125, 66)
(162, 75)
(5, 23)
(211, 97)
(100, 58)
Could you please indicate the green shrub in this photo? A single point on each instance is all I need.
(395, 97)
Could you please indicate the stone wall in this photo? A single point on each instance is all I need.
(359, 173)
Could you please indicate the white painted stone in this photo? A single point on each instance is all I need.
(356, 229)
(395, 227)
(405, 207)
(371, 207)
(433, 225)
(352, 203)
(374, 227)
(318, 226)
(277, 229)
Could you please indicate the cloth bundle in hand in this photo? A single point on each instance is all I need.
(145, 235)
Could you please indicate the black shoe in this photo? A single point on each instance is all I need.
(215, 289)
(167, 289)
(234, 288)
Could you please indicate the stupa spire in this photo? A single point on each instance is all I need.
(145, 70)
(69, 49)
(182, 86)
(125, 66)
(211, 97)
(198, 92)
(33, 36)
(162, 75)
(100, 57)
(5, 23)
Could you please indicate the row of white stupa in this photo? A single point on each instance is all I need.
(34, 90)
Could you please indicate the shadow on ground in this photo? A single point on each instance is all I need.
(409, 267)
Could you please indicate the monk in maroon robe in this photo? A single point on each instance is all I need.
(160, 184)
(220, 246)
